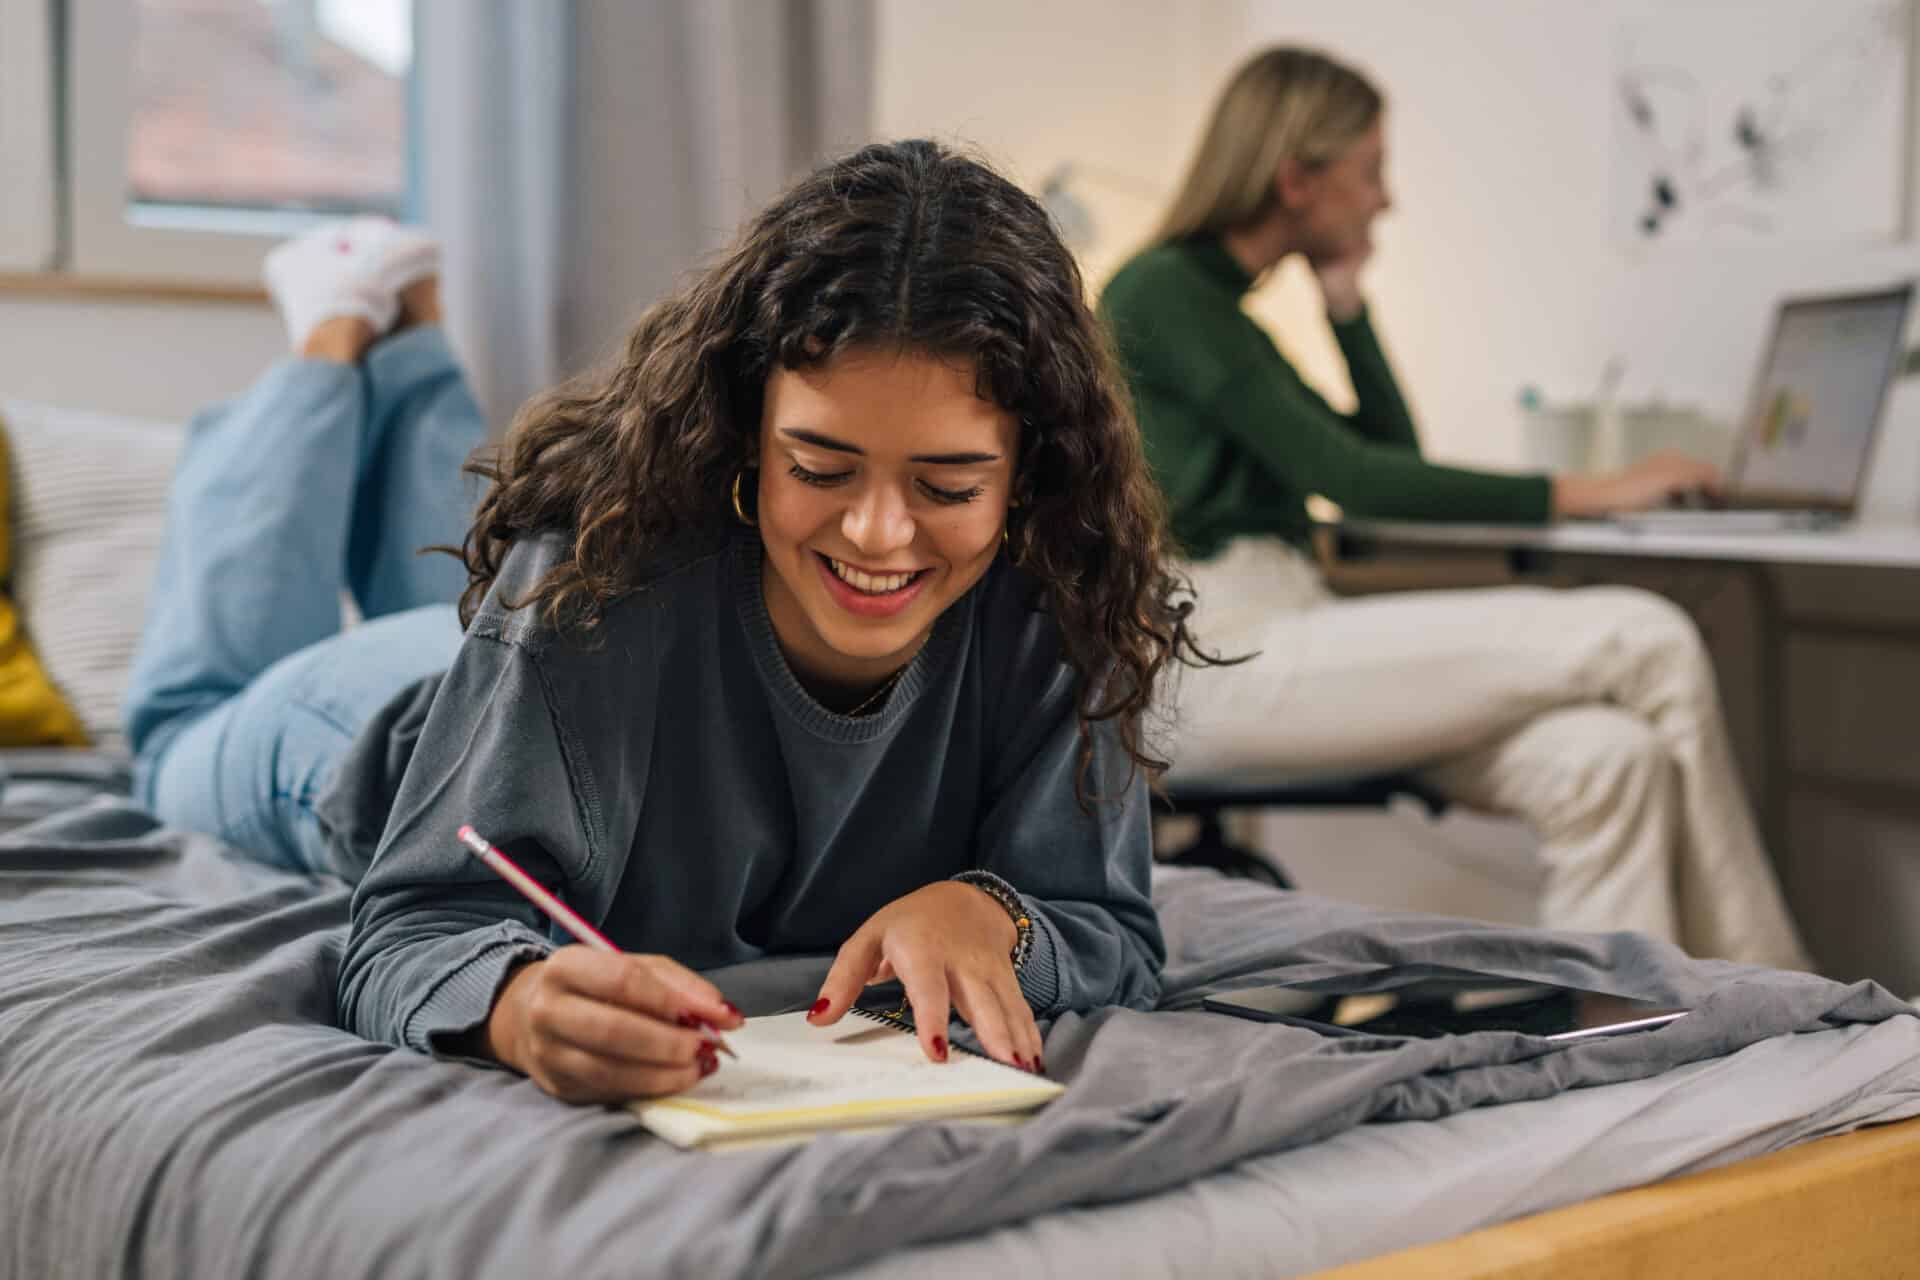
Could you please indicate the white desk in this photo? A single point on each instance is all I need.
(1886, 546)
(1837, 642)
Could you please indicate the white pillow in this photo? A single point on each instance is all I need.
(89, 510)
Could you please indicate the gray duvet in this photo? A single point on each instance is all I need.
(175, 1100)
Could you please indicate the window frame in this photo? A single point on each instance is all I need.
(108, 235)
(104, 239)
(29, 198)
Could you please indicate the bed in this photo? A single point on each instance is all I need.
(174, 1100)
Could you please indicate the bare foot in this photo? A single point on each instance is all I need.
(341, 339)
(420, 303)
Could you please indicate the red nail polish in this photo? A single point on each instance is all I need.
(1039, 1066)
(709, 1063)
(939, 1048)
(1021, 1063)
(733, 1008)
(819, 1007)
(688, 1021)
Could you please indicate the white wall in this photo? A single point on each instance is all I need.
(149, 359)
(1033, 85)
(1496, 268)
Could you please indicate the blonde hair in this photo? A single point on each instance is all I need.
(1283, 103)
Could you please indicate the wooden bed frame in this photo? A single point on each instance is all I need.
(1846, 1206)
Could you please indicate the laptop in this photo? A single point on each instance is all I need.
(1800, 458)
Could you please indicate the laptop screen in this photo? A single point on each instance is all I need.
(1816, 406)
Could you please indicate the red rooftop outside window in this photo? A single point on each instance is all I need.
(271, 104)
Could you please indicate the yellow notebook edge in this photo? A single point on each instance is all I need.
(689, 1123)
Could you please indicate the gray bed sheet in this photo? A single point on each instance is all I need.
(175, 1100)
(1378, 1188)
(38, 782)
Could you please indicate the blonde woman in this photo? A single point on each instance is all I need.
(1591, 713)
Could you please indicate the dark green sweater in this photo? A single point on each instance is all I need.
(1238, 440)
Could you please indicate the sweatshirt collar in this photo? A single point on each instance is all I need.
(784, 686)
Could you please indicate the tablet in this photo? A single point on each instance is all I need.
(1452, 1006)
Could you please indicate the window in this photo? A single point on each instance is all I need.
(200, 132)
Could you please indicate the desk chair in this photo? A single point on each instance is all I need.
(1208, 799)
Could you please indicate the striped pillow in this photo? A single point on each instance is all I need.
(90, 507)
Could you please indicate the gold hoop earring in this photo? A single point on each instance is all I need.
(740, 512)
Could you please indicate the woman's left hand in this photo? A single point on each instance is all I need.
(1340, 283)
(950, 945)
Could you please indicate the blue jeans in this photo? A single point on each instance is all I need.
(321, 479)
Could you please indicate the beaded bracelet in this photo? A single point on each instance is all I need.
(1004, 894)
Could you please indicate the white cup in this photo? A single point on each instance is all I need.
(1558, 438)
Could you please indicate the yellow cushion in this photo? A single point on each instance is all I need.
(32, 712)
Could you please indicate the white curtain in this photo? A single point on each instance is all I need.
(579, 156)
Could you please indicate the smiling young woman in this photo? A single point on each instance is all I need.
(827, 620)
(884, 487)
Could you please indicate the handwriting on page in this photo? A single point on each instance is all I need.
(787, 1064)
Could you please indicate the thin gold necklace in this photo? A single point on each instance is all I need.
(888, 684)
(886, 687)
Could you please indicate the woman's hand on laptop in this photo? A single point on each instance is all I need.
(1654, 481)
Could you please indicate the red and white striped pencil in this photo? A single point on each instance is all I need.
(536, 893)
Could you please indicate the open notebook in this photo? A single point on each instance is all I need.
(866, 1071)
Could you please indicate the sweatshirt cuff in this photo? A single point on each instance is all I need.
(1539, 508)
(1040, 975)
(463, 997)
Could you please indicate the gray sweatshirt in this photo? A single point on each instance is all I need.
(671, 780)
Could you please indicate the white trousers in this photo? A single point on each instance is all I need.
(1591, 713)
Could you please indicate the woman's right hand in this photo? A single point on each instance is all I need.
(1651, 482)
(595, 1026)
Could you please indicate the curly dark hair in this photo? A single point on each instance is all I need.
(905, 246)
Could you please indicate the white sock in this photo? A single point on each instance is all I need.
(403, 256)
(326, 273)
